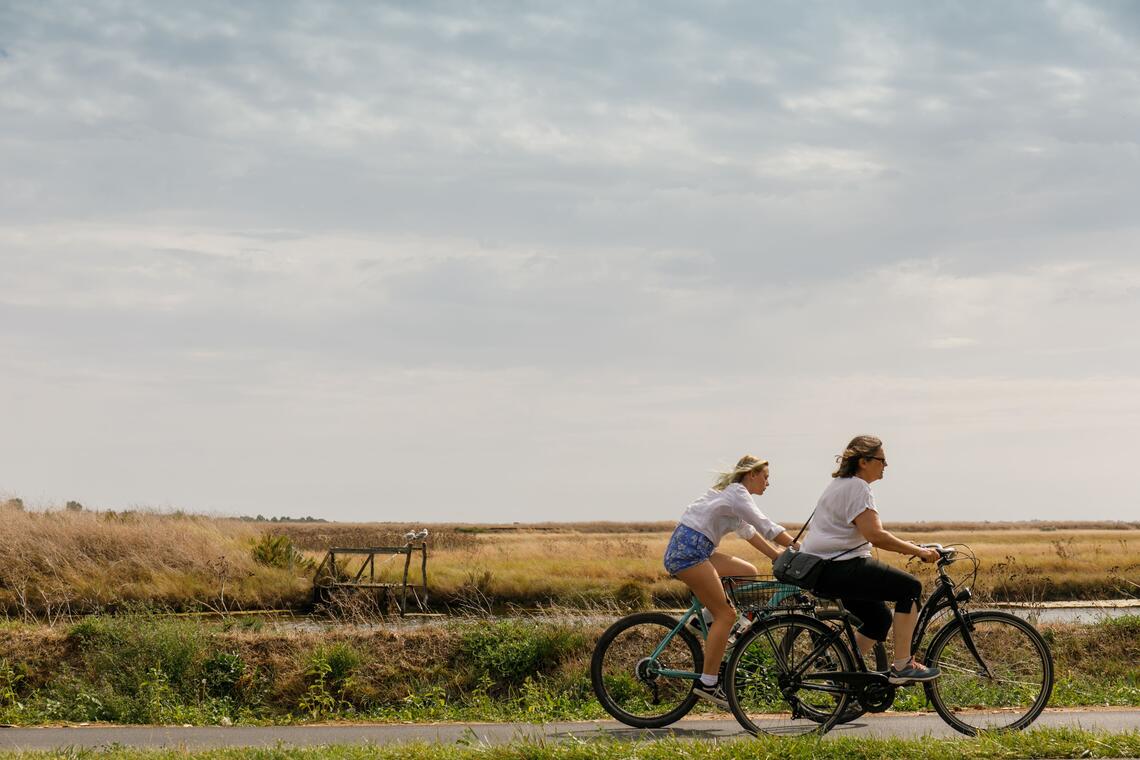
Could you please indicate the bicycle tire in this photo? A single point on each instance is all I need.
(1017, 655)
(623, 684)
(764, 698)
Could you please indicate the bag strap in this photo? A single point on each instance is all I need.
(853, 548)
(837, 556)
(804, 527)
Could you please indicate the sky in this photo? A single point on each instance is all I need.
(547, 261)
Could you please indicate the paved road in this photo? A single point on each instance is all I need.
(204, 737)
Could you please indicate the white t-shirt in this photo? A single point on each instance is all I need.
(832, 530)
(718, 513)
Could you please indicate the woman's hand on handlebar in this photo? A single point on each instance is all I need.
(927, 555)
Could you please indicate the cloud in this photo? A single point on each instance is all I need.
(951, 342)
(351, 235)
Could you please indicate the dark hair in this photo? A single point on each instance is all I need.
(861, 446)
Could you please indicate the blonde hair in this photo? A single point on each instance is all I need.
(861, 447)
(747, 464)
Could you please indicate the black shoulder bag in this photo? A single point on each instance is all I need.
(800, 569)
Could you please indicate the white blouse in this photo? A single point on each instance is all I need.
(718, 513)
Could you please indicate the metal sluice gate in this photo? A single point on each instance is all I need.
(335, 573)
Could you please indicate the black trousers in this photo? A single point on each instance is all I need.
(865, 585)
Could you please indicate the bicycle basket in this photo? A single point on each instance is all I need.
(761, 592)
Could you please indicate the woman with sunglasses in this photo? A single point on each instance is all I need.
(691, 555)
(844, 527)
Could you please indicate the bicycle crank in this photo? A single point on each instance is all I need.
(877, 696)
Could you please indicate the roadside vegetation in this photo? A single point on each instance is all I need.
(151, 669)
(57, 564)
(1052, 743)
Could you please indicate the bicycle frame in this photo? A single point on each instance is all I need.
(781, 592)
(943, 597)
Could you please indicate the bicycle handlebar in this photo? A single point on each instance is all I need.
(945, 554)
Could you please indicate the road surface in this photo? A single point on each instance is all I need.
(206, 737)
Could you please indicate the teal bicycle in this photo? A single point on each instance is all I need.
(644, 665)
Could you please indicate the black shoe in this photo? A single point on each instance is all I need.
(713, 694)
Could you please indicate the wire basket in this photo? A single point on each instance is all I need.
(761, 592)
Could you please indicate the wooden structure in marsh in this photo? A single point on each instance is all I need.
(356, 570)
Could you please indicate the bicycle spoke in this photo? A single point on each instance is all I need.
(1018, 684)
(767, 692)
(629, 684)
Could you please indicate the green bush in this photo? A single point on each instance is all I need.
(222, 673)
(507, 652)
(330, 677)
(279, 551)
(141, 660)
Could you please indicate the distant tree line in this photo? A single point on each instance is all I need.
(263, 518)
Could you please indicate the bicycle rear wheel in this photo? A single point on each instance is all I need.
(1014, 691)
(627, 681)
(771, 688)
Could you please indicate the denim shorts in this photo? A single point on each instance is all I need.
(686, 548)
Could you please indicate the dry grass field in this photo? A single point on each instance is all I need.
(586, 564)
(58, 563)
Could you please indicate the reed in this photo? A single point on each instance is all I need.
(59, 563)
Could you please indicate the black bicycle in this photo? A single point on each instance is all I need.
(644, 665)
(794, 673)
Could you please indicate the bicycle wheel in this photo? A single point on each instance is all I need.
(626, 681)
(1020, 677)
(771, 688)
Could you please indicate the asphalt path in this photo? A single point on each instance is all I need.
(208, 737)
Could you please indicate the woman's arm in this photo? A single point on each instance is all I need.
(872, 529)
(785, 539)
(765, 546)
(743, 506)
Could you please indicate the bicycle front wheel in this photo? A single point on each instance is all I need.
(773, 686)
(1006, 690)
(627, 681)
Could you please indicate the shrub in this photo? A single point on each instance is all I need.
(127, 651)
(508, 652)
(278, 551)
(330, 677)
(222, 673)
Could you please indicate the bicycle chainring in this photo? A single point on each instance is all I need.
(876, 697)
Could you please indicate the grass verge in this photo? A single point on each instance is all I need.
(1052, 743)
(157, 670)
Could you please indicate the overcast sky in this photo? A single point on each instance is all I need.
(560, 261)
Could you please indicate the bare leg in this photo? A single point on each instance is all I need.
(729, 565)
(864, 643)
(704, 580)
(904, 630)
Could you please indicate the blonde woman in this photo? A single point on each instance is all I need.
(692, 557)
